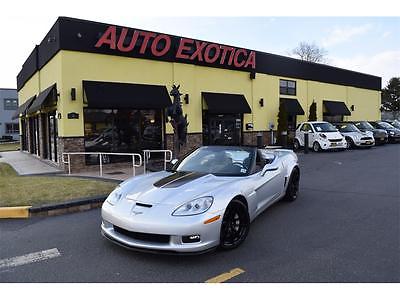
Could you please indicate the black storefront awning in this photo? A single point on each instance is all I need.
(293, 107)
(336, 108)
(49, 94)
(103, 95)
(23, 107)
(226, 103)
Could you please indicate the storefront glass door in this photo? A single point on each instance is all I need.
(223, 129)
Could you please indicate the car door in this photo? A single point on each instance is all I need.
(269, 184)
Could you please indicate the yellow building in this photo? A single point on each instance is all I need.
(94, 87)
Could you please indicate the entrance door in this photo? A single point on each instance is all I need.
(223, 129)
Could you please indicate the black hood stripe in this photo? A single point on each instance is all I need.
(177, 179)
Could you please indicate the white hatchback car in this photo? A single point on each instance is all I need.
(321, 136)
(355, 138)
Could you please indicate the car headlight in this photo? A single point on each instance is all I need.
(115, 196)
(391, 132)
(194, 207)
(322, 135)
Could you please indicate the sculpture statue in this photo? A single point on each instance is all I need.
(178, 121)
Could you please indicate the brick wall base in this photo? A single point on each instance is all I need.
(193, 141)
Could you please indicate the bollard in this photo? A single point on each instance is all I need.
(306, 142)
(259, 140)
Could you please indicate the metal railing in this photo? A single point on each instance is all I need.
(147, 154)
(102, 155)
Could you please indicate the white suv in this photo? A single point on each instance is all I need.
(321, 136)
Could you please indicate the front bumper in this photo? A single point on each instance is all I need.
(394, 138)
(175, 228)
(328, 145)
(364, 143)
(380, 140)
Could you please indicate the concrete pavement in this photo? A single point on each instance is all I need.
(27, 164)
(344, 227)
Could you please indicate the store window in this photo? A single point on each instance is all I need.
(287, 87)
(122, 130)
(10, 104)
(12, 128)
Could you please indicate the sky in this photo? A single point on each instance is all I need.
(365, 44)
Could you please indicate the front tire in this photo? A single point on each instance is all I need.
(316, 147)
(292, 189)
(235, 225)
(350, 143)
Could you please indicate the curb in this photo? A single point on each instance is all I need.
(72, 206)
(14, 212)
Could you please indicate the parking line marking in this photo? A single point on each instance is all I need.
(29, 258)
(225, 276)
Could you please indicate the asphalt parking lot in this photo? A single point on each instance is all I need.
(344, 227)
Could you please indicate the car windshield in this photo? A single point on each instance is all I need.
(364, 125)
(324, 127)
(218, 160)
(385, 125)
(348, 128)
(396, 124)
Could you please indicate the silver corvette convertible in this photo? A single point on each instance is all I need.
(206, 200)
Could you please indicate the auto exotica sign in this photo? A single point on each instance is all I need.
(159, 45)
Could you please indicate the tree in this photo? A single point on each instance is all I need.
(391, 95)
(310, 52)
(312, 115)
(282, 129)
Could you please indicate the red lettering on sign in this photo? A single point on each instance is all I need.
(183, 47)
(207, 53)
(109, 37)
(236, 58)
(224, 52)
(121, 41)
(251, 60)
(167, 45)
(231, 56)
(199, 50)
(146, 37)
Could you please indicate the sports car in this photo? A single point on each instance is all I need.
(206, 200)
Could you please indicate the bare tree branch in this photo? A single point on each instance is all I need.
(310, 52)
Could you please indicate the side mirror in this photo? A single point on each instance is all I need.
(171, 164)
(310, 131)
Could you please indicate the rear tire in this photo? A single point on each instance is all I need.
(316, 147)
(292, 189)
(296, 145)
(235, 225)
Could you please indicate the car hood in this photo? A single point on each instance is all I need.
(172, 188)
(332, 135)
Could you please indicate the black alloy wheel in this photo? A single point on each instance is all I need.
(350, 143)
(292, 189)
(235, 225)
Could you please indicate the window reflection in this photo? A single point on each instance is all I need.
(122, 130)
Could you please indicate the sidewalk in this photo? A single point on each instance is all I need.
(27, 164)
(111, 173)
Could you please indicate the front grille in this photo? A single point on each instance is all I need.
(366, 138)
(335, 140)
(146, 237)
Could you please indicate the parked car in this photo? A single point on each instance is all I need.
(355, 138)
(207, 199)
(395, 123)
(321, 136)
(393, 132)
(380, 135)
